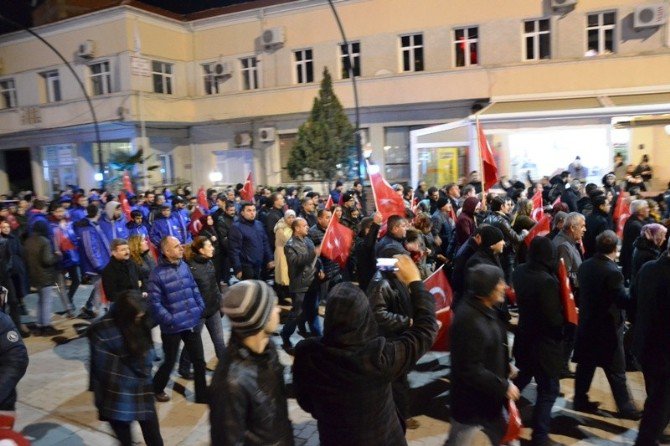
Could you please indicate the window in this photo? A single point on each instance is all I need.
(353, 50)
(7, 93)
(51, 86)
(466, 41)
(600, 33)
(249, 73)
(101, 78)
(212, 80)
(304, 66)
(162, 76)
(412, 52)
(167, 168)
(536, 34)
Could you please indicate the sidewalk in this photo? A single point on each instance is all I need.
(55, 408)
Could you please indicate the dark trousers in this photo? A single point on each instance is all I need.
(569, 334)
(192, 344)
(13, 304)
(547, 391)
(656, 413)
(616, 376)
(73, 272)
(150, 431)
(250, 272)
(215, 329)
(400, 390)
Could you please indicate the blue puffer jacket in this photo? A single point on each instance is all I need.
(114, 228)
(93, 247)
(176, 303)
(162, 227)
(249, 245)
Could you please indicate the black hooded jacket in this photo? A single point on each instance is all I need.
(344, 379)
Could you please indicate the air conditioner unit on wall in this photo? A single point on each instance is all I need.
(650, 16)
(273, 37)
(266, 134)
(222, 69)
(557, 4)
(243, 139)
(86, 50)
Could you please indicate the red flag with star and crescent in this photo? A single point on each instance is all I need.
(538, 206)
(387, 200)
(438, 285)
(567, 298)
(247, 192)
(490, 174)
(621, 213)
(541, 228)
(329, 202)
(337, 242)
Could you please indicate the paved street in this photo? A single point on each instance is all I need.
(56, 409)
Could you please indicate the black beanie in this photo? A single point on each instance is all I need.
(442, 202)
(482, 279)
(490, 235)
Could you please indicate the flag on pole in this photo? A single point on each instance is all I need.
(438, 285)
(567, 298)
(541, 228)
(490, 173)
(202, 200)
(125, 206)
(621, 213)
(387, 200)
(127, 184)
(247, 192)
(538, 206)
(329, 202)
(337, 242)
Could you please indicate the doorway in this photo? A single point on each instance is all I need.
(19, 172)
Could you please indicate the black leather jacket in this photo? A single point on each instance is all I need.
(205, 277)
(390, 303)
(300, 257)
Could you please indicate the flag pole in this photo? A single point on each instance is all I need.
(482, 177)
(374, 195)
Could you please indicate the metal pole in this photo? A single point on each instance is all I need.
(81, 86)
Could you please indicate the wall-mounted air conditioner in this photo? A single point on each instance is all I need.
(650, 16)
(243, 139)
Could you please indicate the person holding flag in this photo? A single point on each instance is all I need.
(387, 201)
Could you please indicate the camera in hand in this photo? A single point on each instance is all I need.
(387, 264)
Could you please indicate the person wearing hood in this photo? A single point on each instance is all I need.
(248, 404)
(344, 378)
(112, 221)
(465, 224)
(480, 369)
(538, 342)
(42, 262)
(597, 222)
(461, 258)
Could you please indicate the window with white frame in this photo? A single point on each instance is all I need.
(350, 54)
(162, 77)
(411, 48)
(101, 78)
(51, 86)
(249, 69)
(167, 168)
(466, 46)
(537, 39)
(600, 29)
(304, 66)
(7, 93)
(212, 80)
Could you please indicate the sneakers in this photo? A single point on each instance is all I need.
(48, 330)
(162, 397)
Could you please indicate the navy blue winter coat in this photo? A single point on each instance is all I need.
(13, 361)
(249, 245)
(176, 303)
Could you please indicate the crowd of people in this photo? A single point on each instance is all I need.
(167, 260)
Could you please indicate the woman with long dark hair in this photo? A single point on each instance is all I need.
(120, 369)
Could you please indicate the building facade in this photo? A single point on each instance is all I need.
(224, 91)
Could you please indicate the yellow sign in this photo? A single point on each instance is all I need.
(447, 165)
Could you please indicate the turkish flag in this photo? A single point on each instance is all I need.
(202, 201)
(247, 192)
(621, 212)
(620, 224)
(387, 201)
(567, 298)
(490, 174)
(438, 285)
(127, 185)
(329, 202)
(337, 242)
(514, 423)
(541, 228)
(125, 206)
(558, 200)
(538, 211)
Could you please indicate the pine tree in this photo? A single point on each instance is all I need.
(325, 139)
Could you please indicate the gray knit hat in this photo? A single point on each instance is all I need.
(248, 304)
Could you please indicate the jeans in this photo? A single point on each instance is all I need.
(193, 345)
(296, 316)
(150, 431)
(46, 295)
(547, 391)
(93, 299)
(656, 413)
(215, 329)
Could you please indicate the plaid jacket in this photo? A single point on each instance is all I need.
(122, 385)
